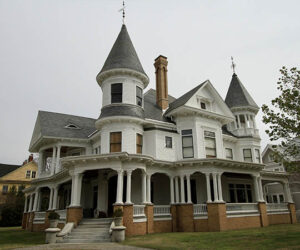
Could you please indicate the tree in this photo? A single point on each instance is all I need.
(283, 119)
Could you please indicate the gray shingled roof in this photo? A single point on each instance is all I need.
(123, 54)
(7, 168)
(237, 95)
(152, 111)
(184, 98)
(53, 125)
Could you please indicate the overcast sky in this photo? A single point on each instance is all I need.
(51, 52)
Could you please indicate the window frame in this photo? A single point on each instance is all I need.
(33, 174)
(257, 157)
(192, 147)
(246, 188)
(227, 150)
(114, 93)
(4, 187)
(115, 143)
(244, 149)
(207, 136)
(170, 139)
(139, 145)
(28, 174)
(139, 98)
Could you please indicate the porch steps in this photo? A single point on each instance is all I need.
(90, 231)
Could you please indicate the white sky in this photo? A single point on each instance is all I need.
(51, 52)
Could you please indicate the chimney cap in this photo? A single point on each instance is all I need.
(160, 57)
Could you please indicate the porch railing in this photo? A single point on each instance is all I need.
(62, 214)
(162, 210)
(277, 207)
(39, 217)
(241, 208)
(138, 210)
(200, 209)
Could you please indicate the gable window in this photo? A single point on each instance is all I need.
(247, 155)
(229, 154)
(28, 173)
(116, 92)
(257, 155)
(139, 96)
(187, 143)
(115, 142)
(168, 140)
(139, 143)
(5, 189)
(203, 105)
(210, 144)
(33, 174)
(240, 193)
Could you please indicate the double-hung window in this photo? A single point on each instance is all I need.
(168, 142)
(33, 174)
(139, 96)
(247, 155)
(240, 193)
(187, 143)
(116, 92)
(5, 189)
(229, 154)
(28, 173)
(210, 144)
(257, 155)
(139, 143)
(115, 142)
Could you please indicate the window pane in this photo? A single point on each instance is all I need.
(229, 154)
(281, 199)
(249, 193)
(186, 132)
(210, 152)
(188, 152)
(275, 199)
(187, 141)
(116, 88)
(115, 137)
(209, 133)
(115, 148)
(231, 194)
(247, 153)
(241, 195)
(168, 142)
(210, 142)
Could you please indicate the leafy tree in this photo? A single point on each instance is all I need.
(283, 118)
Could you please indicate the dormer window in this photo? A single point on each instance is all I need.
(72, 126)
(203, 105)
(116, 92)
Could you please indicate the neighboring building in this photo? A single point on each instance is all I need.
(172, 164)
(274, 191)
(19, 176)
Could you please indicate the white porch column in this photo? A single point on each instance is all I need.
(53, 160)
(208, 191)
(260, 189)
(55, 195)
(239, 122)
(30, 203)
(57, 167)
(188, 185)
(76, 189)
(176, 189)
(256, 188)
(50, 199)
(216, 198)
(128, 188)
(172, 189)
(182, 194)
(144, 181)
(40, 163)
(287, 193)
(26, 204)
(119, 199)
(148, 188)
(220, 187)
(35, 203)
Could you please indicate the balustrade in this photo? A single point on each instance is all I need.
(161, 210)
(200, 209)
(138, 210)
(277, 207)
(241, 208)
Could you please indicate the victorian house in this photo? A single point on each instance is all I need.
(191, 163)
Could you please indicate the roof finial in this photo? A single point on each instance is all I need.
(123, 12)
(233, 65)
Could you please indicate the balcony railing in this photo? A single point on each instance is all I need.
(162, 210)
(62, 214)
(241, 208)
(39, 217)
(200, 209)
(277, 207)
(138, 210)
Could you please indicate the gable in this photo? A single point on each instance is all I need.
(208, 99)
(19, 174)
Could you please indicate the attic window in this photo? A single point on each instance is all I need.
(203, 105)
(72, 126)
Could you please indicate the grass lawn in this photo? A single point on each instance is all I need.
(13, 237)
(272, 237)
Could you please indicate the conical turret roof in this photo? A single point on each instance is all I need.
(123, 54)
(237, 95)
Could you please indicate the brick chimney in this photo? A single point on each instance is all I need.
(161, 70)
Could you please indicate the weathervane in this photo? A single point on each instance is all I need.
(233, 65)
(123, 12)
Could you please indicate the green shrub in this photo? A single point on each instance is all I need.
(53, 216)
(118, 213)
